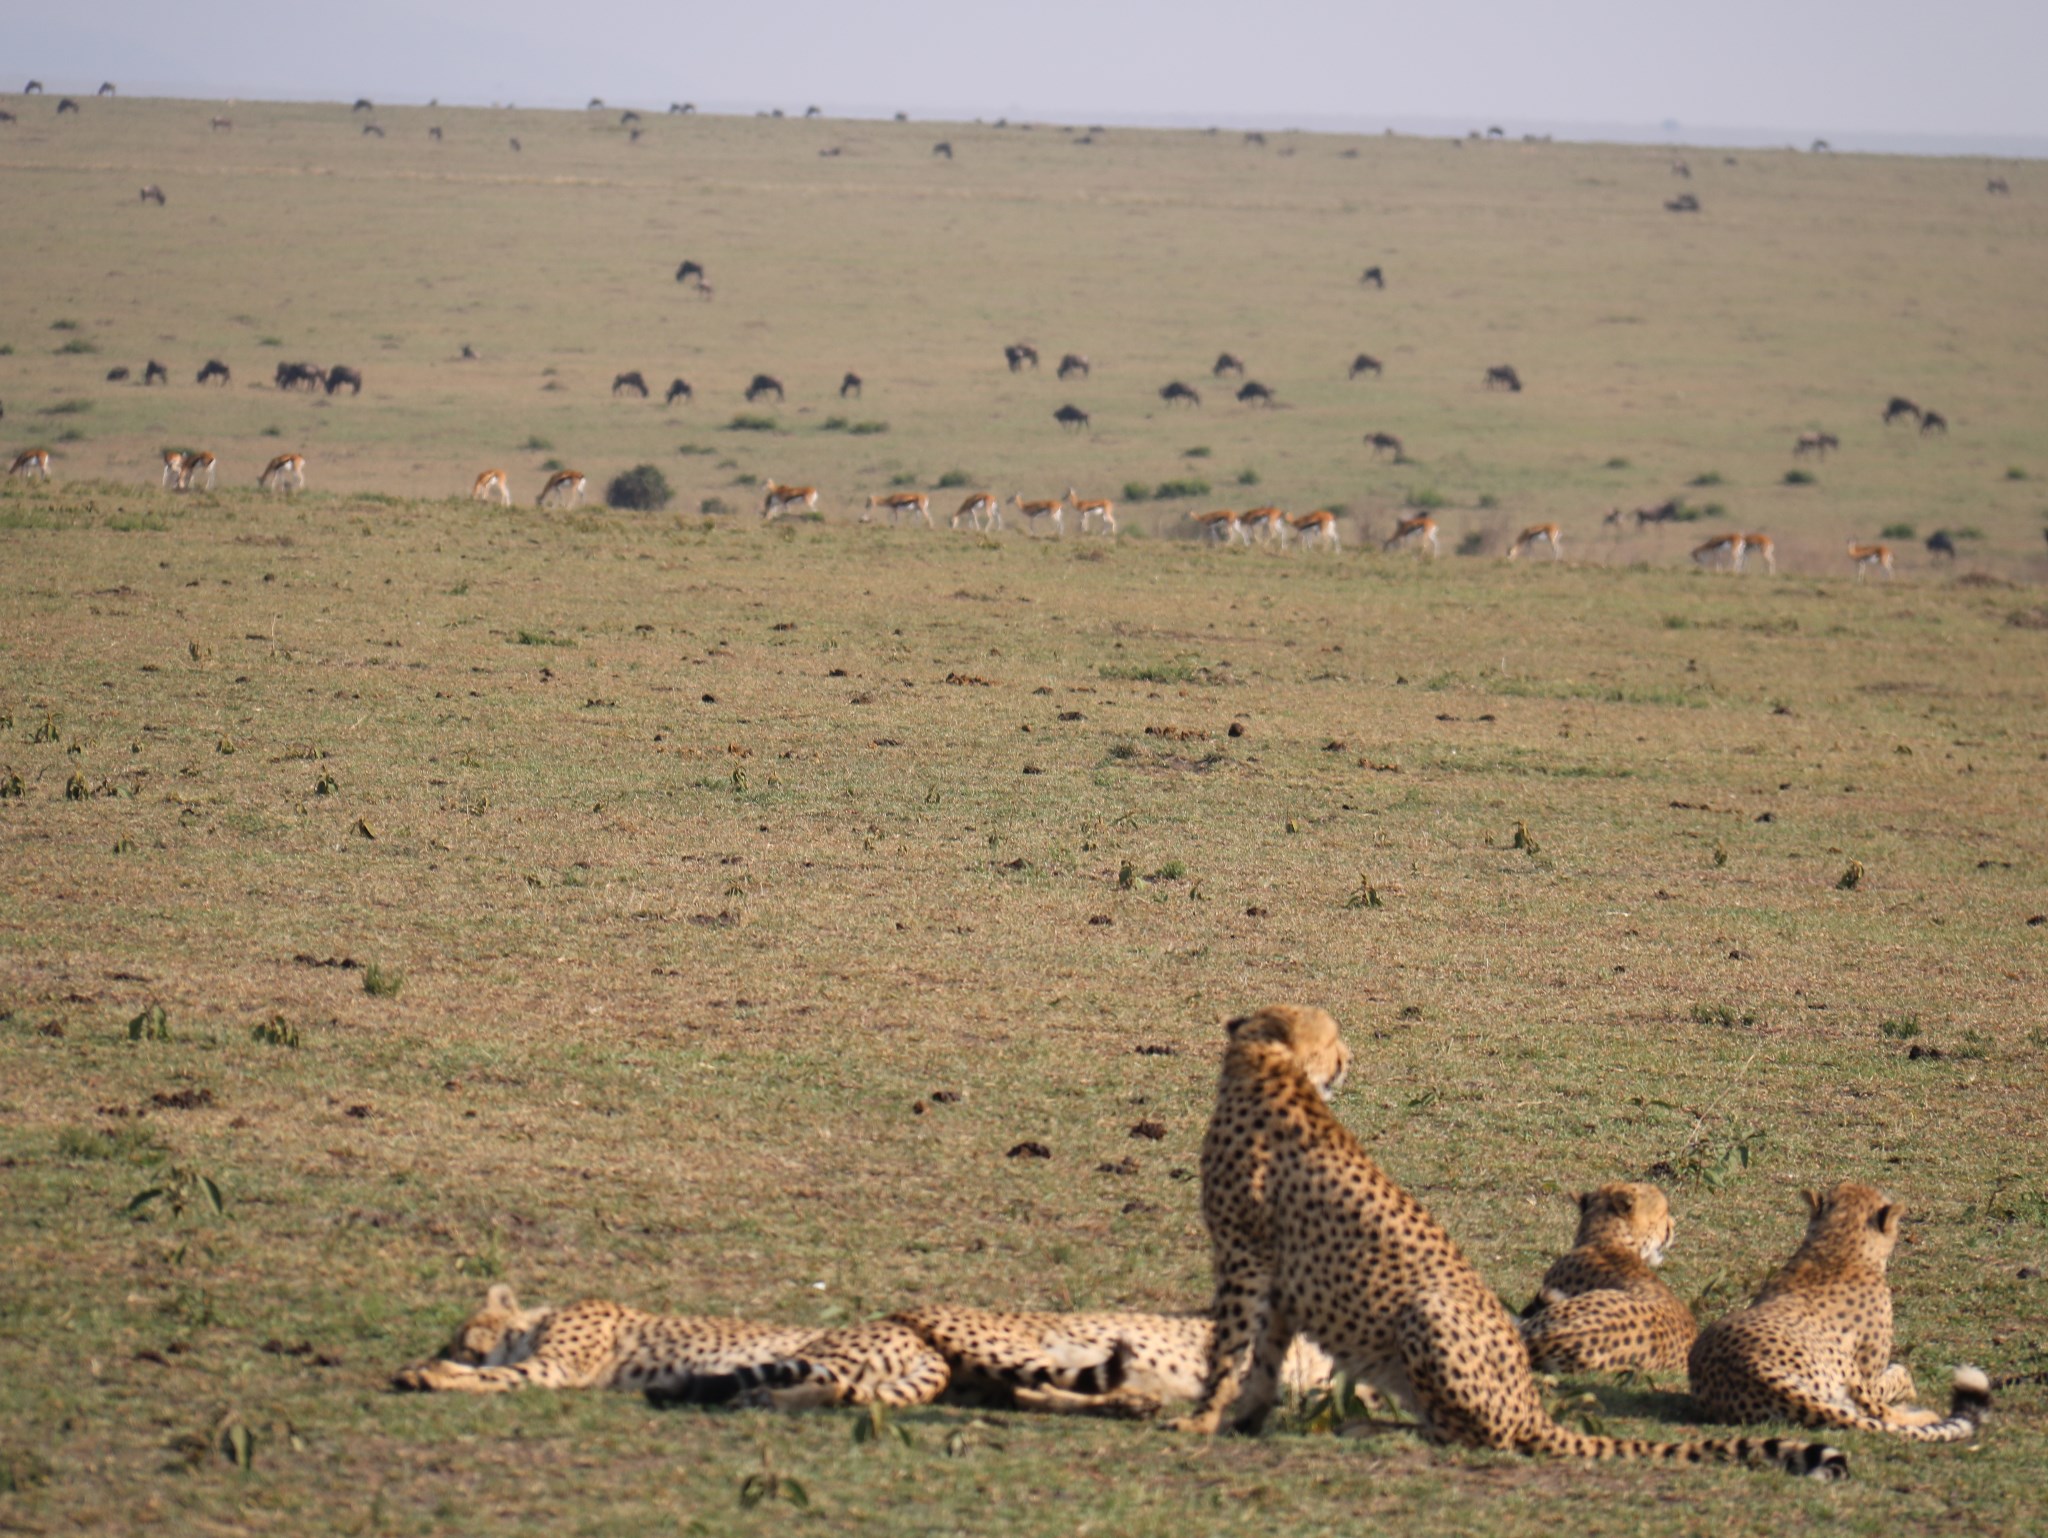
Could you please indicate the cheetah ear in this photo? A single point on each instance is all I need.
(1585, 1201)
(1813, 1203)
(1885, 1219)
(1232, 1027)
(501, 1298)
(1623, 1201)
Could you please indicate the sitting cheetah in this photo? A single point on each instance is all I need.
(1814, 1346)
(595, 1344)
(1308, 1236)
(1602, 1307)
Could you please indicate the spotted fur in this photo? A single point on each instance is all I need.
(1602, 1307)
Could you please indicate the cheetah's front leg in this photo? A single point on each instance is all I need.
(1241, 1310)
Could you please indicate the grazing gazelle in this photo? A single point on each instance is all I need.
(780, 497)
(1537, 534)
(194, 465)
(1815, 443)
(492, 483)
(1100, 510)
(982, 508)
(1419, 530)
(1762, 545)
(1224, 526)
(1722, 552)
(287, 472)
(904, 505)
(1316, 528)
(563, 484)
(1867, 556)
(32, 463)
(1055, 510)
(174, 469)
(1264, 523)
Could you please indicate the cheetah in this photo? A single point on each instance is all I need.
(1814, 1346)
(1308, 1236)
(1602, 1307)
(595, 1344)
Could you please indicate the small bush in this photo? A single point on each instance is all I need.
(1967, 531)
(1474, 543)
(1488, 501)
(551, 465)
(1199, 451)
(712, 507)
(1903, 1029)
(688, 449)
(1618, 462)
(1898, 531)
(6, 349)
(536, 444)
(750, 422)
(1706, 478)
(63, 325)
(1428, 499)
(2015, 473)
(1172, 870)
(273, 432)
(1799, 478)
(834, 425)
(642, 489)
(72, 435)
(1247, 477)
(1184, 486)
(902, 479)
(380, 984)
(868, 429)
(68, 408)
(1136, 491)
(270, 341)
(953, 478)
(76, 345)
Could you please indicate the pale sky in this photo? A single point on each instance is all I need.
(1889, 68)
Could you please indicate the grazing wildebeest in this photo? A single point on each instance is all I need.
(1017, 354)
(943, 147)
(595, 103)
(515, 145)
(116, 375)
(682, 108)
(764, 384)
(688, 270)
(470, 354)
(66, 104)
(1228, 363)
(628, 118)
(220, 125)
(1385, 442)
(434, 133)
(630, 380)
(8, 117)
(33, 88)
(1684, 203)
(155, 373)
(1375, 277)
(1252, 393)
(1663, 512)
(1496, 132)
(1898, 407)
(1364, 363)
(1071, 416)
(1255, 137)
(1502, 376)
(362, 105)
(1821, 147)
(151, 194)
(679, 387)
(341, 374)
(1939, 543)
(814, 112)
(1815, 443)
(215, 369)
(850, 385)
(106, 88)
(1176, 391)
(1073, 363)
(290, 376)
(372, 131)
(1933, 422)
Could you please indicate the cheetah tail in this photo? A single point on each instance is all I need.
(714, 1388)
(1811, 1460)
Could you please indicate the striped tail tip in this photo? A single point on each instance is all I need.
(704, 1389)
(1970, 1396)
(1816, 1460)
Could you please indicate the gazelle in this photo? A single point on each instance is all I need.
(1763, 545)
(174, 469)
(1419, 530)
(1100, 509)
(194, 465)
(780, 497)
(983, 508)
(1316, 528)
(904, 505)
(1054, 510)
(492, 483)
(1224, 526)
(1723, 551)
(1537, 534)
(32, 463)
(1264, 523)
(1867, 556)
(287, 472)
(562, 484)
(1815, 443)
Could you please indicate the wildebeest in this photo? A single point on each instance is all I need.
(1176, 391)
(1072, 416)
(628, 118)
(682, 108)
(66, 104)
(1386, 442)
(1933, 422)
(1997, 187)
(1502, 376)
(151, 194)
(215, 369)
(220, 125)
(678, 387)
(764, 384)
(1663, 512)
(1227, 363)
(514, 142)
(630, 380)
(814, 112)
(687, 271)
(362, 105)
(943, 147)
(106, 88)
(1073, 363)
(290, 376)
(1684, 203)
(1939, 543)
(1017, 354)
(1815, 443)
(1364, 363)
(8, 117)
(372, 131)
(33, 88)
(341, 374)
(1253, 393)
(116, 375)
(850, 385)
(156, 373)
(1375, 277)
(1898, 406)
(1255, 137)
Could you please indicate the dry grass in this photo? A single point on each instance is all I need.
(702, 854)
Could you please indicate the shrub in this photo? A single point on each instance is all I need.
(68, 408)
(1618, 462)
(1898, 531)
(953, 478)
(834, 425)
(1247, 477)
(1199, 451)
(552, 465)
(868, 429)
(1472, 543)
(63, 325)
(748, 422)
(1185, 486)
(1967, 531)
(78, 344)
(1136, 491)
(1799, 478)
(688, 449)
(1488, 501)
(2015, 473)
(380, 984)
(1706, 478)
(1428, 499)
(711, 507)
(536, 444)
(270, 341)
(71, 435)
(642, 489)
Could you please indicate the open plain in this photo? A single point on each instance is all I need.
(697, 912)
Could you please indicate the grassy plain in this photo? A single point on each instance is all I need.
(703, 854)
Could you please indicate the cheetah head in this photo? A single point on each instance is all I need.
(1309, 1035)
(485, 1336)
(1627, 1216)
(1852, 1219)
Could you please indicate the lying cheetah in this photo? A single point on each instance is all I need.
(1814, 1346)
(1602, 1307)
(595, 1344)
(1308, 1236)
